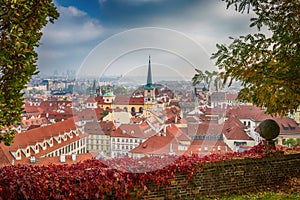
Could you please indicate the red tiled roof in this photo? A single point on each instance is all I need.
(34, 121)
(39, 134)
(88, 114)
(62, 144)
(198, 147)
(287, 125)
(102, 128)
(159, 145)
(205, 128)
(231, 96)
(133, 131)
(245, 112)
(107, 127)
(153, 144)
(128, 100)
(90, 100)
(4, 156)
(233, 122)
(236, 133)
(54, 160)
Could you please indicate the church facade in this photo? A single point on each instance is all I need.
(136, 105)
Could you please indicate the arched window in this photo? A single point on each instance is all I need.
(141, 110)
(133, 109)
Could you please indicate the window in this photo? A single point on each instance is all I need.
(239, 143)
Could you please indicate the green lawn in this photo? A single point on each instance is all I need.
(259, 195)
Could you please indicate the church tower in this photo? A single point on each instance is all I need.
(149, 93)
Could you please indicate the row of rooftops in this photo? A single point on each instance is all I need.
(233, 128)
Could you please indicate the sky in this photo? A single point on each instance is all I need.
(116, 37)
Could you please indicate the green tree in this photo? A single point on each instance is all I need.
(120, 90)
(290, 142)
(207, 77)
(267, 66)
(21, 22)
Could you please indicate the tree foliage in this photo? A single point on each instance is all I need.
(21, 22)
(120, 90)
(267, 66)
(207, 77)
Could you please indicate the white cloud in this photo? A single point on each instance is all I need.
(71, 11)
(68, 40)
(73, 27)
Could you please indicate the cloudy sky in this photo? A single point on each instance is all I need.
(116, 37)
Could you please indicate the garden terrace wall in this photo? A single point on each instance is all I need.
(231, 176)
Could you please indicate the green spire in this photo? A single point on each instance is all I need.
(149, 77)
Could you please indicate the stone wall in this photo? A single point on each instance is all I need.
(230, 177)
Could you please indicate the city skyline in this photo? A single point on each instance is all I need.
(115, 37)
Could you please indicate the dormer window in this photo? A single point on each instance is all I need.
(18, 155)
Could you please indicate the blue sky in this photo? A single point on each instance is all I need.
(115, 37)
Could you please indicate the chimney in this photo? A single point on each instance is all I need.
(74, 157)
(165, 130)
(32, 159)
(62, 158)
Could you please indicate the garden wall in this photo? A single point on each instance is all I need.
(229, 176)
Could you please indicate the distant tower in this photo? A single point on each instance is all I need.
(149, 94)
(93, 90)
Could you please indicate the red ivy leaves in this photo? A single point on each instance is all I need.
(99, 179)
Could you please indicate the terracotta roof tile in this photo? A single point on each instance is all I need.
(205, 128)
(205, 147)
(39, 134)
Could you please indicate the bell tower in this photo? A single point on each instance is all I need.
(149, 93)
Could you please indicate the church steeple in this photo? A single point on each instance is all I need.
(149, 76)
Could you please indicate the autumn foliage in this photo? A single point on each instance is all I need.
(105, 179)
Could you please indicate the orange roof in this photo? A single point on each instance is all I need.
(231, 96)
(205, 128)
(102, 128)
(133, 131)
(88, 114)
(236, 133)
(54, 160)
(233, 122)
(204, 147)
(39, 134)
(160, 144)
